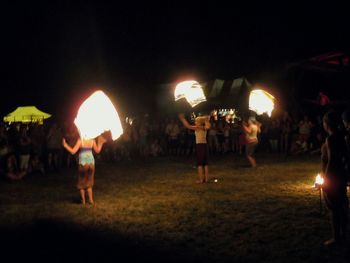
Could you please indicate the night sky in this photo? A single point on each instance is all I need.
(56, 53)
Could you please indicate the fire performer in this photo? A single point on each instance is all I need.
(86, 164)
(334, 152)
(251, 129)
(95, 116)
(200, 128)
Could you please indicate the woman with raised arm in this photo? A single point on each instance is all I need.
(251, 130)
(200, 128)
(86, 170)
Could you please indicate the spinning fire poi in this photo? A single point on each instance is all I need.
(191, 90)
(95, 116)
(261, 102)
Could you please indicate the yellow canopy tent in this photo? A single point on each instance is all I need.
(27, 114)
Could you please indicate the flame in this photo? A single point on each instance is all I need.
(319, 180)
(181, 88)
(261, 102)
(191, 90)
(97, 115)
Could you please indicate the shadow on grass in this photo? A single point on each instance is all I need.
(48, 240)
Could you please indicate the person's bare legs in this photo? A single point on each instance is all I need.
(251, 161)
(82, 196)
(206, 173)
(200, 174)
(89, 191)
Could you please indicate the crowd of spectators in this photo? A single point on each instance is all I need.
(37, 149)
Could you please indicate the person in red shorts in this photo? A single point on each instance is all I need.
(202, 125)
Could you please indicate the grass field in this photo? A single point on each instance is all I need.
(152, 210)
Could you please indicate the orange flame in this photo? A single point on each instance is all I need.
(191, 90)
(261, 102)
(319, 180)
(97, 115)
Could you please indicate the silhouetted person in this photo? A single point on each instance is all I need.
(54, 147)
(334, 152)
(346, 122)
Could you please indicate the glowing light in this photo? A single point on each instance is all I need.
(97, 115)
(319, 181)
(261, 102)
(181, 88)
(191, 90)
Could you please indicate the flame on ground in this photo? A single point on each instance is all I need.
(319, 180)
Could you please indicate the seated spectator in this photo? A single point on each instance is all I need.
(35, 165)
(4, 149)
(300, 146)
(156, 149)
(317, 144)
(10, 170)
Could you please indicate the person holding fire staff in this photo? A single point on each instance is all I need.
(91, 125)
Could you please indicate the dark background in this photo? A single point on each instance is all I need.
(56, 53)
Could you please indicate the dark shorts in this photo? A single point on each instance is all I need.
(250, 148)
(202, 154)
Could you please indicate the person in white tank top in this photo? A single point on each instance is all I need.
(200, 128)
(251, 130)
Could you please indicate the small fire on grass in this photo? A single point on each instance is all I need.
(318, 181)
